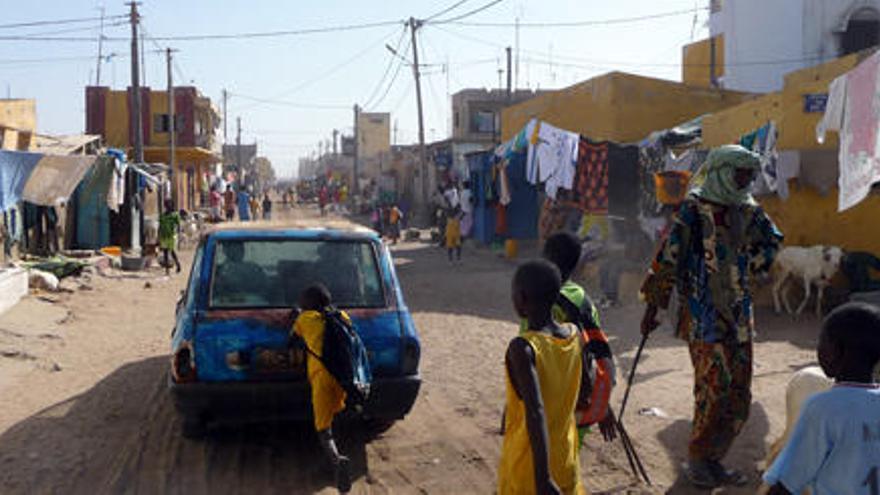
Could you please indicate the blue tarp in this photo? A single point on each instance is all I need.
(15, 169)
(480, 165)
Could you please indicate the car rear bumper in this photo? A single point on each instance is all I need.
(390, 398)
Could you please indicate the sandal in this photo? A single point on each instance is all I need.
(726, 476)
(699, 473)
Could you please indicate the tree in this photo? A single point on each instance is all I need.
(262, 172)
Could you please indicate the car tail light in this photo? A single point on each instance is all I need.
(183, 365)
(410, 360)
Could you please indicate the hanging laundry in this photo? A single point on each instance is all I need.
(852, 110)
(15, 169)
(623, 177)
(503, 186)
(116, 187)
(652, 159)
(591, 187)
(552, 154)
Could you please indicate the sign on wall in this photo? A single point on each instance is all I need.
(815, 103)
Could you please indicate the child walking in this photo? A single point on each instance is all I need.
(169, 225)
(453, 235)
(835, 446)
(544, 368)
(328, 397)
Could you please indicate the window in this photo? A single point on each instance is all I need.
(161, 122)
(455, 120)
(272, 273)
(862, 31)
(483, 121)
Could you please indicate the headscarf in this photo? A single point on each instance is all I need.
(716, 182)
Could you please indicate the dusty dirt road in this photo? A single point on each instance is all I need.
(84, 406)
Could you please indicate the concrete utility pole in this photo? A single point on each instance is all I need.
(335, 143)
(225, 104)
(509, 77)
(357, 147)
(138, 128)
(423, 152)
(100, 48)
(172, 128)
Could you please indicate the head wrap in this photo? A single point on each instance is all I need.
(716, 182)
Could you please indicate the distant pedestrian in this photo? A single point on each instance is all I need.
(215, 199)
(244, 206)
(376, 219)
(323, 198)
(267, 207)
(169, 226)
(467, 209)
(256, 208)
(453, 236)
(328, 396)
(229, 203)
(395, 216)
(544, 371)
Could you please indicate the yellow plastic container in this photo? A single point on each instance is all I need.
(511, 248)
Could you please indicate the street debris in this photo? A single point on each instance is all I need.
(41, 280)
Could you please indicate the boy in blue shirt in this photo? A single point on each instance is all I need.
(835, 447)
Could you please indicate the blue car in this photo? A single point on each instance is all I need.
(230, 353)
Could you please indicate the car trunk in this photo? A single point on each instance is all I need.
(252, 344)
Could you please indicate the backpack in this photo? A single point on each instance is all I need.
(597, 360)
(345, 358)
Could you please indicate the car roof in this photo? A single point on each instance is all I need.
(300, 229)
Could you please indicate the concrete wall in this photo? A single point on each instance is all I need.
(620, 107)
(18, 122)
(765, 40)
(697, 67)
(374, 133)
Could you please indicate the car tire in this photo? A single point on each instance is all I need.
(194, 427)
(374, 427)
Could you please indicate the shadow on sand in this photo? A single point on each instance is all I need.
(123, 436)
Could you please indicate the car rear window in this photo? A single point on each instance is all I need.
(272, 273)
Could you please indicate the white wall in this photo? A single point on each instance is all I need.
(757, 32)
(824, 19)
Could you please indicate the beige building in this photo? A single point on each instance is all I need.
(18, 124)
(374, 144)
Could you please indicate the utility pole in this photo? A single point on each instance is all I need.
(516, 69)
(138, 128)
(335, 142)
(238, 151)
(423, 153)
(225, 104)
(509, 77)
(172, 129)
(100, 48)
(357, 148)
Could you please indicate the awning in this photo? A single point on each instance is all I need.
(39, 179)
(183, 153)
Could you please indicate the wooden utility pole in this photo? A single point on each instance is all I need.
(172, 129)
(238, 151)
(138, 128)
(100, 48)
(357, 146)
(423, 152)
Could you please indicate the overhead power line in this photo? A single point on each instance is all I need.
(469, 13)
(378, 88)
(274, 34)
(59, 21)
(446, 10)
(594, 22)
(269, 101)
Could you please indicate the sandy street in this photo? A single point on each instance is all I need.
(84, 406)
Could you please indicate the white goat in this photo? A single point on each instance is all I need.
(815, 265)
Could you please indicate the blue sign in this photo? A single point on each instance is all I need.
(815, 103)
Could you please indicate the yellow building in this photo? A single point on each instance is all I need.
(619, 107)
(18, 123)
(196, 150)
(808, 216)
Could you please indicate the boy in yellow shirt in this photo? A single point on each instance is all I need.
(453, 235)
(544, 373)
(328, 397)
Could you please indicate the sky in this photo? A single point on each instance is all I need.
(292, 91)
